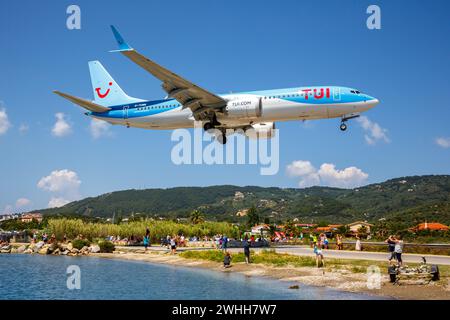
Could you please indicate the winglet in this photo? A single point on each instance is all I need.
(123, 46)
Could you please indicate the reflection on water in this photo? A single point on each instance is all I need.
(44, 277)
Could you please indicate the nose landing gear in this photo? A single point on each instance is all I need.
(345, 118)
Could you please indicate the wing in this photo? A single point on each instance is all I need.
(202, 102)
(91, 106)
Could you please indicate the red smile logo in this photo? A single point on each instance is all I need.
(102, 95)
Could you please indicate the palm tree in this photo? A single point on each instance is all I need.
(252, 217)
(196, 217)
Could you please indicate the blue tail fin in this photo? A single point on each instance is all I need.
(107, 92)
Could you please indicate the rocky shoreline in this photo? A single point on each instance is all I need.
(65, 249)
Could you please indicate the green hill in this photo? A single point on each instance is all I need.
(405, 199)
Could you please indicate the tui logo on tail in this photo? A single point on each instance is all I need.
(102, 95)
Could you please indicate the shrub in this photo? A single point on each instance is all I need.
(106, 246)
(80, 243)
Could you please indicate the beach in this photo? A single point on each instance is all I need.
(343, 279)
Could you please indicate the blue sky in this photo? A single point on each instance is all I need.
(223, 46)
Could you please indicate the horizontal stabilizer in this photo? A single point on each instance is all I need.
(83, 103)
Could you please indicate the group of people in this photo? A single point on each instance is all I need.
(395, 247)
(246, 244)
(221, 242)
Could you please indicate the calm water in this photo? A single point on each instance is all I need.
(44, 277)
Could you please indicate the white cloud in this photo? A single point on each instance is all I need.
(99, 128)
(56, 202)
(4, 121)
(8, 210)
(64, 184)
(348, 178)
(327, 175)
(22, 202)
(443, 142)
(62, 127)
(24, 128)
(374, 132)
(305, 170)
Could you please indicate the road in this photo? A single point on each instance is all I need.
(335, 254)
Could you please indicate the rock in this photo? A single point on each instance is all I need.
(21, 249)
(5, 251)
(14, 250)
(70, 246)
(94, 248)
(85, 248)
(28, 251)
(56, 251)
(65, 252)
(43, 251)
(74, 250)
(294, 287)
(40, 244)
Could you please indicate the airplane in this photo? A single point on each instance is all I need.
(187, 102)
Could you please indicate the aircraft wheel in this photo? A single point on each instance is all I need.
(208, 126)
(222, 138)
(343, 126)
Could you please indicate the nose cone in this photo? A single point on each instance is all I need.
(372, 102)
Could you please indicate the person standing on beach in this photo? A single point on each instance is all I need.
(246, 250)
(339, 243)
(173, 245)
(391, 247)
(320, 262)
(146, 241)
(224, 243)
(398, 250)
(358, 244)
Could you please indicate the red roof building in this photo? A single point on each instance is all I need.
(433, 226)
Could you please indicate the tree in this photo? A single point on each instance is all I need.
(196, 217)
(252, 216)
(344, 230)
(362, 231)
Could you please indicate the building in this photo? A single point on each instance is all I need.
(432, 226)
(355, 226)
(28, 217)
(260, 229)
(329, 228)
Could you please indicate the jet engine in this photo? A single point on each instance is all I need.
(244, 107)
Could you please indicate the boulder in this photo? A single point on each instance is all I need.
(42, 251)
(14, 250)
(74, 250)
(40, 244)
(95, 248)
(28, 251)
(56, 251)
(69, 246)
(21, 249)
(65, 252)
(5, 251)
(85, 248)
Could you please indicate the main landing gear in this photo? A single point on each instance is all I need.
(210, 127)
(219, 134)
